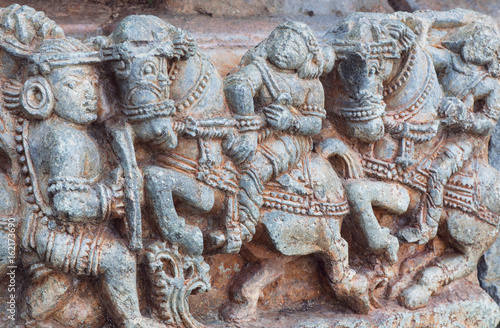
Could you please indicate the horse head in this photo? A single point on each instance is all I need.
(141, 52)
(369, 51)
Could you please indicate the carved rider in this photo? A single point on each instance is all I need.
(68, 203)
(276, 85)
(468, 69)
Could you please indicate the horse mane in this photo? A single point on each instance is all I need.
(359, 28)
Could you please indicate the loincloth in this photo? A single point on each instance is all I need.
(70, 247)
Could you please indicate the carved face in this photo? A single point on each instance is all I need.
(288, 50)
(142, 76)
(362, 78)
(75, 91)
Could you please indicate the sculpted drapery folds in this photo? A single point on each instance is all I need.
(380, 125)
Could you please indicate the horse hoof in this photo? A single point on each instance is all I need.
(410, 235)
(359, 304)
(415, 297)
(354, 293)
(239, 313)
(391, 252)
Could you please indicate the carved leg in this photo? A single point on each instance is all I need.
(446, 270)
(253, 176)
(362, 196)
(117, 267)
(450, 159)
(162, 186)
(48, 291)
(470, 244)
(245, 291)
(348, 286)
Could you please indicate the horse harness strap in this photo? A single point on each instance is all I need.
(197, 91)
(460, 191)
(409, 133)
(467, 89)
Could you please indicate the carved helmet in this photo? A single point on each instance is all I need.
(37, 46)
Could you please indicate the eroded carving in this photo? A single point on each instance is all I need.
(129, 167)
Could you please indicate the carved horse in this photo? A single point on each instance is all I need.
(303, 199)
(382, 97)
(172, 97)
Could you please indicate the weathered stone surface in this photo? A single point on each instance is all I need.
(480, 313)
(483, 6)
(250, 193)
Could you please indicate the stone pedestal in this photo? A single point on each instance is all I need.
(459, 305)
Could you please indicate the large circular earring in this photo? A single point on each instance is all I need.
(37, 100)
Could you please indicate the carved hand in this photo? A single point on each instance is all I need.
(115, 185)
(279, 117)
(190, 127)
(244, 148)
(453, 112)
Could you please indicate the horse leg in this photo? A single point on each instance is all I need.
(162, 186)
(246, 289)
(347, 285)
(362, 196)
(470, 238)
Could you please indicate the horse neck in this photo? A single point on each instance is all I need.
(197, 89)
(185, 73)
(411, 77)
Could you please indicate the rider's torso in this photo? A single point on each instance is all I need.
(460, 80)
(61, 150)
(302, 91)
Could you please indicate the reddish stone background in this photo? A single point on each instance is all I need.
(225, 30)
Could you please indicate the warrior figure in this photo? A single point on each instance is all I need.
(468, 69)
(278, 100)
(281, 74)
(65, 226)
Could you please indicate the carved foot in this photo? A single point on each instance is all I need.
(240, 312)
(391, 252)
(190, 239)
(415, 297)
(353, 290)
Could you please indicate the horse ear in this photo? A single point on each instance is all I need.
(37, 99)
(455, 45)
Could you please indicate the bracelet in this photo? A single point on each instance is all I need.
(248, 123)
(295, 125)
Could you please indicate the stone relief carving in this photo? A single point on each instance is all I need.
(130, 166)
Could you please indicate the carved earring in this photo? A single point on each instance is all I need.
(37, 100)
